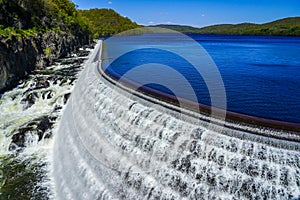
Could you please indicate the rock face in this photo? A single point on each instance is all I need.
(30, 111)
(19, 56)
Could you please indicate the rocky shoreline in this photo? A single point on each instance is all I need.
(29, 116)
(19, 56)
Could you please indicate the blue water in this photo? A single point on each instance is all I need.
(261, 74)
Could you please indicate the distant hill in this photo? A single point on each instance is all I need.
(284, 27)
(287, 27)
(179, 28)
(106, 22)
(226, 28)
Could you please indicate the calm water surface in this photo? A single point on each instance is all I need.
(261, 74)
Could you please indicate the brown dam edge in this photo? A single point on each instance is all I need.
(289, 131)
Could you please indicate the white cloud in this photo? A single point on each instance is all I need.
(109, 2)
(151, 22)
(203, 15)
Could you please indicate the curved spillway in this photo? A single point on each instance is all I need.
(113, 145)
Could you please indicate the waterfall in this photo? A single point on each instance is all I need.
(112, 145)
(29, 117)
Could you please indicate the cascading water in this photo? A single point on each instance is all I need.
(111, 145)
(29, 116)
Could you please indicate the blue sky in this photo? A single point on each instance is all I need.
(198, 12)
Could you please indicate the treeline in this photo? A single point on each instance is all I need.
(27, 17)
(106, 22)
(282, 27)
(179, 28)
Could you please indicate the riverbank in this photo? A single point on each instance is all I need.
(29, 117)
(19, 56)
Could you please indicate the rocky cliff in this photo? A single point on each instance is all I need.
(20, 55)
(33, 33)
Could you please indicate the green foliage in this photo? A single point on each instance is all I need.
(282, 27)
(26, 17)
(47, 51)
(106, 22)
(10, 31)
(17, 176)
(179, 28)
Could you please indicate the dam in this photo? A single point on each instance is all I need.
(115, 145)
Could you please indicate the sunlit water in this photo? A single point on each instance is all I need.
(261, 74)
(111, 145)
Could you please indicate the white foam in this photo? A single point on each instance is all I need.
(112, 146)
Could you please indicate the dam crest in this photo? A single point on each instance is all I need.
(115, 145)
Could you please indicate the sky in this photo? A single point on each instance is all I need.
(198, 13)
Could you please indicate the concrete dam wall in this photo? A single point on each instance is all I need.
(115, 145)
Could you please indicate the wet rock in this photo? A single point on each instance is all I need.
(70, 61)
(47, 94)
(42, 84)
(66, 97)
(63, 81)
(89, 46)
(43, 126)
(38, 126)
(72, 80)
(29, 100)
(18, 139)
(20, 56)
(83, 53)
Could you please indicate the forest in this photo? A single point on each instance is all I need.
(29, 17)
(106, 22)
(283, 27)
